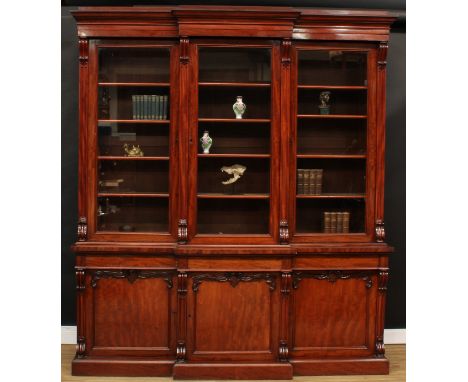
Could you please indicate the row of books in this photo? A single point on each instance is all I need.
(336, 222)
(309, 181)
(150, 106)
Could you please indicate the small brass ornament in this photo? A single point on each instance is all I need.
(134, 151)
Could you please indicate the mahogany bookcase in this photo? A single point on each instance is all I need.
(283, 272)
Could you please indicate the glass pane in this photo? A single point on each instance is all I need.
(134, 102)
(331, 136)
(234, 65)
(133, 65)
(234, 169)
(330, 216)
(332, 67)
(331, 149)
(133, 140)
(126, 176)
(136, 214)
(153, 140)
(240, 216)
(341, 101)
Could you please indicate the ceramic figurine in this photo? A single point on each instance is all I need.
(206, 142)
(239, 107)
(237, 170)
(324, 106)
(134, 151)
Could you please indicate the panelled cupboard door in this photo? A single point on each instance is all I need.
(234, 178)
(130, 313)
(333, 314)
(233, 317)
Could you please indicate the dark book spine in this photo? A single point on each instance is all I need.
(346, 216)
(300, 181)
(339, 222)
(312, 181)
(306, 182)
(134, 104)
(327, 222)
(318, 182)
(333, 222)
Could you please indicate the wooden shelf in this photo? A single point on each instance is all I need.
(234, 120)
(152, 121)
(331, 196)
(331, 156)
(109, 157)
(233, 155)
(332, 87)
(143, 84)
(233, 196)
(331, 116)
(134, 194)
(236, 84)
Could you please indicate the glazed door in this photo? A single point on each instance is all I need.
(131, 133)
(333, 155)
(233, 128)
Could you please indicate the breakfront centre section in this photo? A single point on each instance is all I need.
(231, 178)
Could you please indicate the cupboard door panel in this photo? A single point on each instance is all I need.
(132, 313)
(333, 313)
(232, 319)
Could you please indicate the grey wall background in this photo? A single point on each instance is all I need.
(395, 201)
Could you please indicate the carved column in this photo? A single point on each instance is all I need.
(380, 128)
(284, 232)
(285, 136)
(181, 351)
(381, 300)
(83, 59)
(379, 231)
(286, 283)
(182, 231)
(80, 290)
(82, 229)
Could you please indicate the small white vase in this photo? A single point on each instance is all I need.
(206, 142)
(239, 107)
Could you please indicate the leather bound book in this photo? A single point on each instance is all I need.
(312, 181)
(327, 222)
(306, 186)
(346, 216)
(339, 222)
(318, 181)
(300, 181)
(333, 224)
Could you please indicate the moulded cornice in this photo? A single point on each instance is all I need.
(234, 21)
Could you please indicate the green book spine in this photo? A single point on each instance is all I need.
(318, 184)
(134, 106)
(156, 107)
(138, 106)
(153, 107)
(160, 113)
(147, 111)
(165, 107)
(306, 182)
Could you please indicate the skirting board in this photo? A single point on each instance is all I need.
(391, 336)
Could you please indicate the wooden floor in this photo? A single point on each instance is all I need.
(395, 353)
